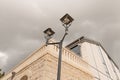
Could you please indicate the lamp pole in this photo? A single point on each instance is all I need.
(60, 56)
(66, 20)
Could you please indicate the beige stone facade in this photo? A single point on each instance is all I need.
(42, 65)
(83, 59)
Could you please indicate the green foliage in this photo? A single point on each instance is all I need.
(1, 73)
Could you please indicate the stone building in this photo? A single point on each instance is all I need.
(83, 59)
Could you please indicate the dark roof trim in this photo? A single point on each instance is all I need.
(84, 39)
(81, 40)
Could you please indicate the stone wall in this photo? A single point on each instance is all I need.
(34, 71)
(68, 72)
(45, 68)
(42, 65)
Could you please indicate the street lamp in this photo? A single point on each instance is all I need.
(66, 21)
(48, 34)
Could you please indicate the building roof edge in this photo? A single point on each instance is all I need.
(84, 39)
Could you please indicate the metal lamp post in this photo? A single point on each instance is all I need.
(66, 21)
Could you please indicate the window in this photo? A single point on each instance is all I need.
(76, 49)
(25, 77)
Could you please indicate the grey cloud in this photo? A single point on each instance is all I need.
(22, 23)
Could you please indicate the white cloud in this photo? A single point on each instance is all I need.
(3, 59)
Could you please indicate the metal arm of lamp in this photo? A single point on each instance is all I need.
(66, 20)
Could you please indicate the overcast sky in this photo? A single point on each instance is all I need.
(22, 23)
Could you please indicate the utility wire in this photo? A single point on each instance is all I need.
(95, 61)
(100, 71)
(104, 61)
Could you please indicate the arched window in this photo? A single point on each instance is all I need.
(25, 77)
